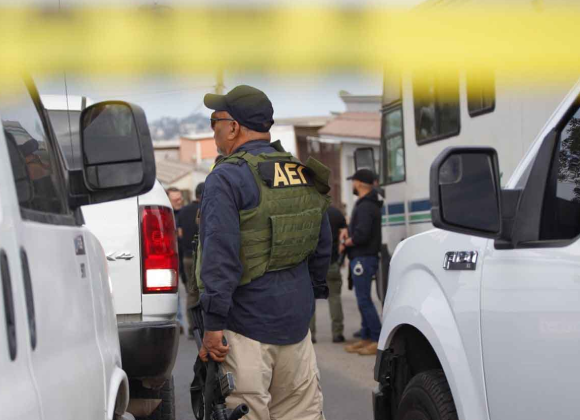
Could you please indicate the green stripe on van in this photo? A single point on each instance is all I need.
(424, 216)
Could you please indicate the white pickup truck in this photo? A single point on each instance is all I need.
(140, 242)
(482, 318)
(59, 347)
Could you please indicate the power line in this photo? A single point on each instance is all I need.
(162, 92)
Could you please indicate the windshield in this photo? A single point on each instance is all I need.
(67, 134)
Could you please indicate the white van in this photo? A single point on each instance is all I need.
(424, 113)
(59, 346)
(144, 272)
(481, 319)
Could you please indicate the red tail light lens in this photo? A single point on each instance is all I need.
(159, 250)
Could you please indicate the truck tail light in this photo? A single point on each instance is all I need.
(159, 250)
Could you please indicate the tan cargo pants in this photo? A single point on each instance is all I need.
(276, 382)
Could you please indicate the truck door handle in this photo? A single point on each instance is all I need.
(29, 298)
(8, 304)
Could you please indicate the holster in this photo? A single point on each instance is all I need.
(192, 280)
(197, 388)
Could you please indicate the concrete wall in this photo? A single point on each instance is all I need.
(285, 133)
(194, 151)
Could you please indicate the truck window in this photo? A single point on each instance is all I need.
(561, 210)
(66, 128)
(392, 146)
(32, 160)
(436, 103)
(480, 92)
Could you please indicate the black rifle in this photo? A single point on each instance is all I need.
(210, 386)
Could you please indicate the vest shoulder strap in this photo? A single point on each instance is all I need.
(253, 161)
(232, 159)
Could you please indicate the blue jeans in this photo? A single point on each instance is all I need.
(363, 269)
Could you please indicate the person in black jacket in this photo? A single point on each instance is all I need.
(363, 245)
(187, 229)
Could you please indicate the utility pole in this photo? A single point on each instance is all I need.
(219, 87)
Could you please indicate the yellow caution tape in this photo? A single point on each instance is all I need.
(530, 45)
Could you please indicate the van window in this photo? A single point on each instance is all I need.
(35, 177)
(66, 126)
(561, 210)
(436, 102)
(392, 146)
(480, 92)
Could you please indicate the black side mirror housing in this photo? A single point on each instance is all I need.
(364, 158)
(117, 153)
(465, 191)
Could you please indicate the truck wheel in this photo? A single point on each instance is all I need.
(166, 409)
(427, 397)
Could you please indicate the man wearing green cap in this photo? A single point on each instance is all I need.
(265, 248)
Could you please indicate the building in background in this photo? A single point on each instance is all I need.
(334, 143)
(198, 149)
(166, 150)
(185, 162)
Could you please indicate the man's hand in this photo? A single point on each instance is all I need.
(349, 242)
(343, 235)
(203, 354)
(213, 345)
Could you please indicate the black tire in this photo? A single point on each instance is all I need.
(166, 409)
(427, 397)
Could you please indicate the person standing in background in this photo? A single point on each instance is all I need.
(176, 199)
(188, 228)
(334, 280)
(363, 245)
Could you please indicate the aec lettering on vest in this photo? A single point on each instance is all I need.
(283, 174)
(279, 177)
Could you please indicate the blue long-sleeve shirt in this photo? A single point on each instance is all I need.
(275, 308)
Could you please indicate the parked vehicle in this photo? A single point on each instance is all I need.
(485, 323)
(139, 238)
(59, 347)
(424, 113)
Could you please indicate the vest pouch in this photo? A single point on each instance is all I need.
(321, 175)
(294, 238)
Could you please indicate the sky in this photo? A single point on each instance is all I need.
(291, 95)
(162, 96)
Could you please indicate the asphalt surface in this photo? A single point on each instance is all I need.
(347, 379)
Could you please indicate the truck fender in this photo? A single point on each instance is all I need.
(118, 398)
(416, 299)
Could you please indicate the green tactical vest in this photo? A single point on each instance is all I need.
(284, 229)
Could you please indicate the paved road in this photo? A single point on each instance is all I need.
(347, 380)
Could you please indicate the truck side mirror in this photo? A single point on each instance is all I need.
(364, 158)
(465, 191)
(117, 151)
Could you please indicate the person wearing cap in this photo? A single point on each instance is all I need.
(363, 244)
(262, 259)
